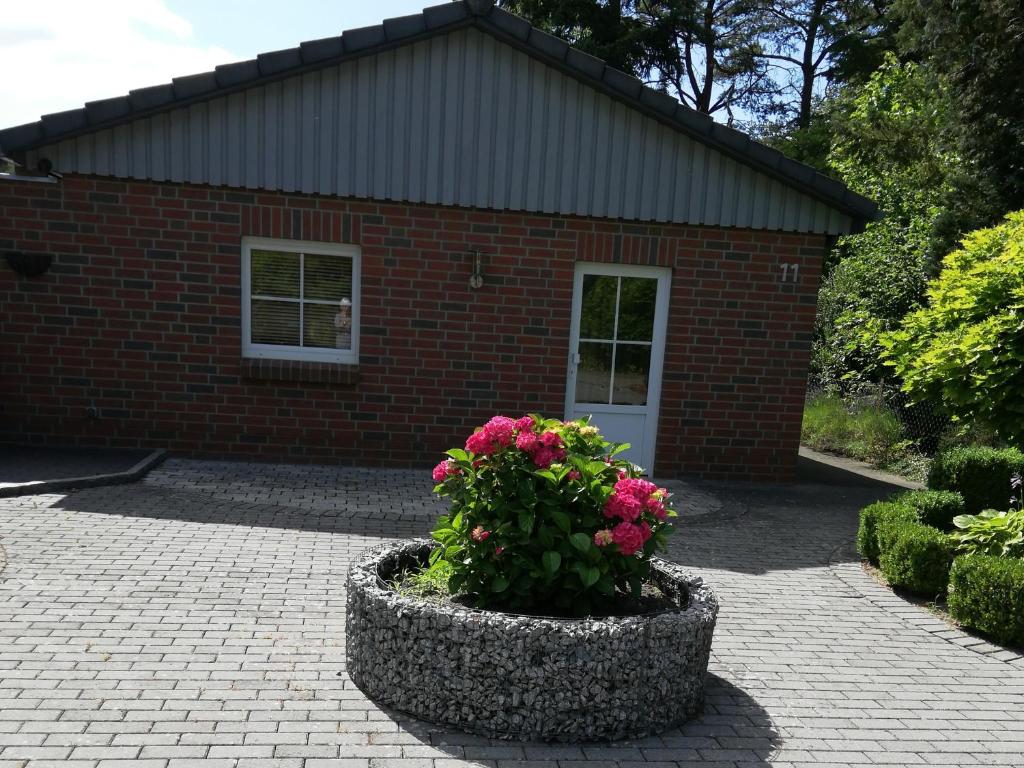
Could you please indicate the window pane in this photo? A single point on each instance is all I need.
(597, 310)
(593, 374)
(636, 308)
(275, 273)
(632, 368)
(275, 322)
(327, 277)
(327, 325)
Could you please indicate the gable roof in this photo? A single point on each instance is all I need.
(481, 15)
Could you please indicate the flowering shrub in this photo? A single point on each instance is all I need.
(544, 517)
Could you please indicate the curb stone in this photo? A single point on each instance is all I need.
(36, 487)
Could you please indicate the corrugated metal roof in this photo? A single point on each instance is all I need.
(464, 104)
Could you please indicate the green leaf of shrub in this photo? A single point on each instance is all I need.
(551, 561)
(562, 520)
(581, 541)
(499, 583)
(589, 575)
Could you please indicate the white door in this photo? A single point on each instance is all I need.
(616, 351)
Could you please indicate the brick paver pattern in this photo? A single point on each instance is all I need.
(197, 619)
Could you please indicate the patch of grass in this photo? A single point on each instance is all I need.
(427, 583)
(868, 433)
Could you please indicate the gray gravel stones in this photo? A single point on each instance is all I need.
(510, 676)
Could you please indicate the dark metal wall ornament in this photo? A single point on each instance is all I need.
(29, 264)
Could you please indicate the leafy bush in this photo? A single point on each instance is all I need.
(980, 474)
(935, 508)
(991, 533)
(544, 518)
(915, 556)
(965, 349)
(872, 517)
(888, 146)
(987, 594)
(864, 432)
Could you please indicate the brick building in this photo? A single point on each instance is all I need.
(358, 249)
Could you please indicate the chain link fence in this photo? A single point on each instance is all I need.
(922, 424)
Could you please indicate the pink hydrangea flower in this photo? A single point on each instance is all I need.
(498, 550)
(645, 531)
(444, 470)
(478, 534)
(544, 457)
(636, 487)
(603, 538)
(527, 442)
(656, 508)
(551, 439)
(574, 475)
(622, 506)
(500, 430)
(480, 444)
(524, 423)
(628, 537)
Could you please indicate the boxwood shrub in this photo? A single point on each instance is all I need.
(934, 508)
(914, 556)
(871, 517)
(987, 594)
(980, 474)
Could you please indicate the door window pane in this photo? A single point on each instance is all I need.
(597, 309)
(594, 373)
(637, 296)
(275, 322)
(275, 273)
(632, 370)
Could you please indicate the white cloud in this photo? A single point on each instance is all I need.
(59, 54)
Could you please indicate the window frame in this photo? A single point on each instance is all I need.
(299, 353)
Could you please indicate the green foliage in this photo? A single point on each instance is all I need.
(935, 508)
(965, 349)
(529, 536)
(871, 434)
(991, 533)
(888, 146)
(987, 593)
(975, 47)
(914, 556)
(982, 475)
(871, 518)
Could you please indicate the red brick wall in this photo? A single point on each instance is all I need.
(139, 318)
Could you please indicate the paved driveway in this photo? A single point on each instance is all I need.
(198, 619)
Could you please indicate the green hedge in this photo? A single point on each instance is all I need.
(915, 556)
(987, 594)
(934, 508)
(980, 474)
(871, 517)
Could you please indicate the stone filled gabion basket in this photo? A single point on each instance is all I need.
(527, 677)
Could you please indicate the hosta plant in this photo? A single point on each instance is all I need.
(545, 518)
(992, 532)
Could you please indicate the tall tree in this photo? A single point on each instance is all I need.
(977, 47)
(608, 29)
(811, 44)
(703, 52)
(708, 54)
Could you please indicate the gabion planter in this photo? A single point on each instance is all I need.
(511, 676)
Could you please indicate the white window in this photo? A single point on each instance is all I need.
(300, 300)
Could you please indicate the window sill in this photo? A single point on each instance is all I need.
(304, 371)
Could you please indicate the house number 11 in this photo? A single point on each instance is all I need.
(790, 273)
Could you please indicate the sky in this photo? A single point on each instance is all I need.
(59, 54)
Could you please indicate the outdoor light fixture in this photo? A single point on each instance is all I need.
(476, 280)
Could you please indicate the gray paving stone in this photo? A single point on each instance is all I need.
(197, 619)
